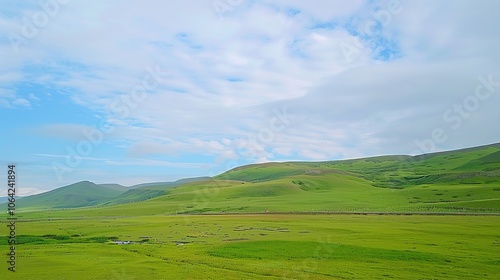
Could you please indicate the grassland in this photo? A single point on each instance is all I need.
(227, 227)
(261, 247)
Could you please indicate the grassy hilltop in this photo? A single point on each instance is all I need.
(457, 181)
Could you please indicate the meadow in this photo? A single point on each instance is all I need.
(264, 246)
(440, 221)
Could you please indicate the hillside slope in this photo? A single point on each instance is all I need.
(462, 180)
(76, 195)
(467, 166)
(147, 191)
(465, 180)
(83, 194)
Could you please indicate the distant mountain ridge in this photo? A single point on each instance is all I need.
(114, 186)
(85, 193)
(171, 184)
(79, 194)
(460, 179)
(149, 190)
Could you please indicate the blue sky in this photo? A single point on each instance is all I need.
(131, 92)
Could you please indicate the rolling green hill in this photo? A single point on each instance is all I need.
(76, 195)
(468, 166)
(83, 194)
(146, 191)
(465, 180)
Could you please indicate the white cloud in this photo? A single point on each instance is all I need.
(227, 75)
(9, 99)
(318, 9)
(33, 97)
(144, 162)
(21, 102)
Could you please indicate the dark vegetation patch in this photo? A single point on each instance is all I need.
(56, 239)
(491, 158)
(306, 185)
(286, 250)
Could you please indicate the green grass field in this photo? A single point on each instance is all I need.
(260, 247)
(228, 227)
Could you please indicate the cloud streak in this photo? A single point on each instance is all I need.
(358, 79)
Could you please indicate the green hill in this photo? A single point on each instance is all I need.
(86, 193)
(462, 180)
(465, 180)
(468, 166)
(147, 191)
(114, 186)
(76, 195)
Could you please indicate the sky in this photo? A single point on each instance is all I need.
(131, 92)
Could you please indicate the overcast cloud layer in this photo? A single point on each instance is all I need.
(141, 91)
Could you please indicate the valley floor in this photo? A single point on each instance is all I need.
(259, 246)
